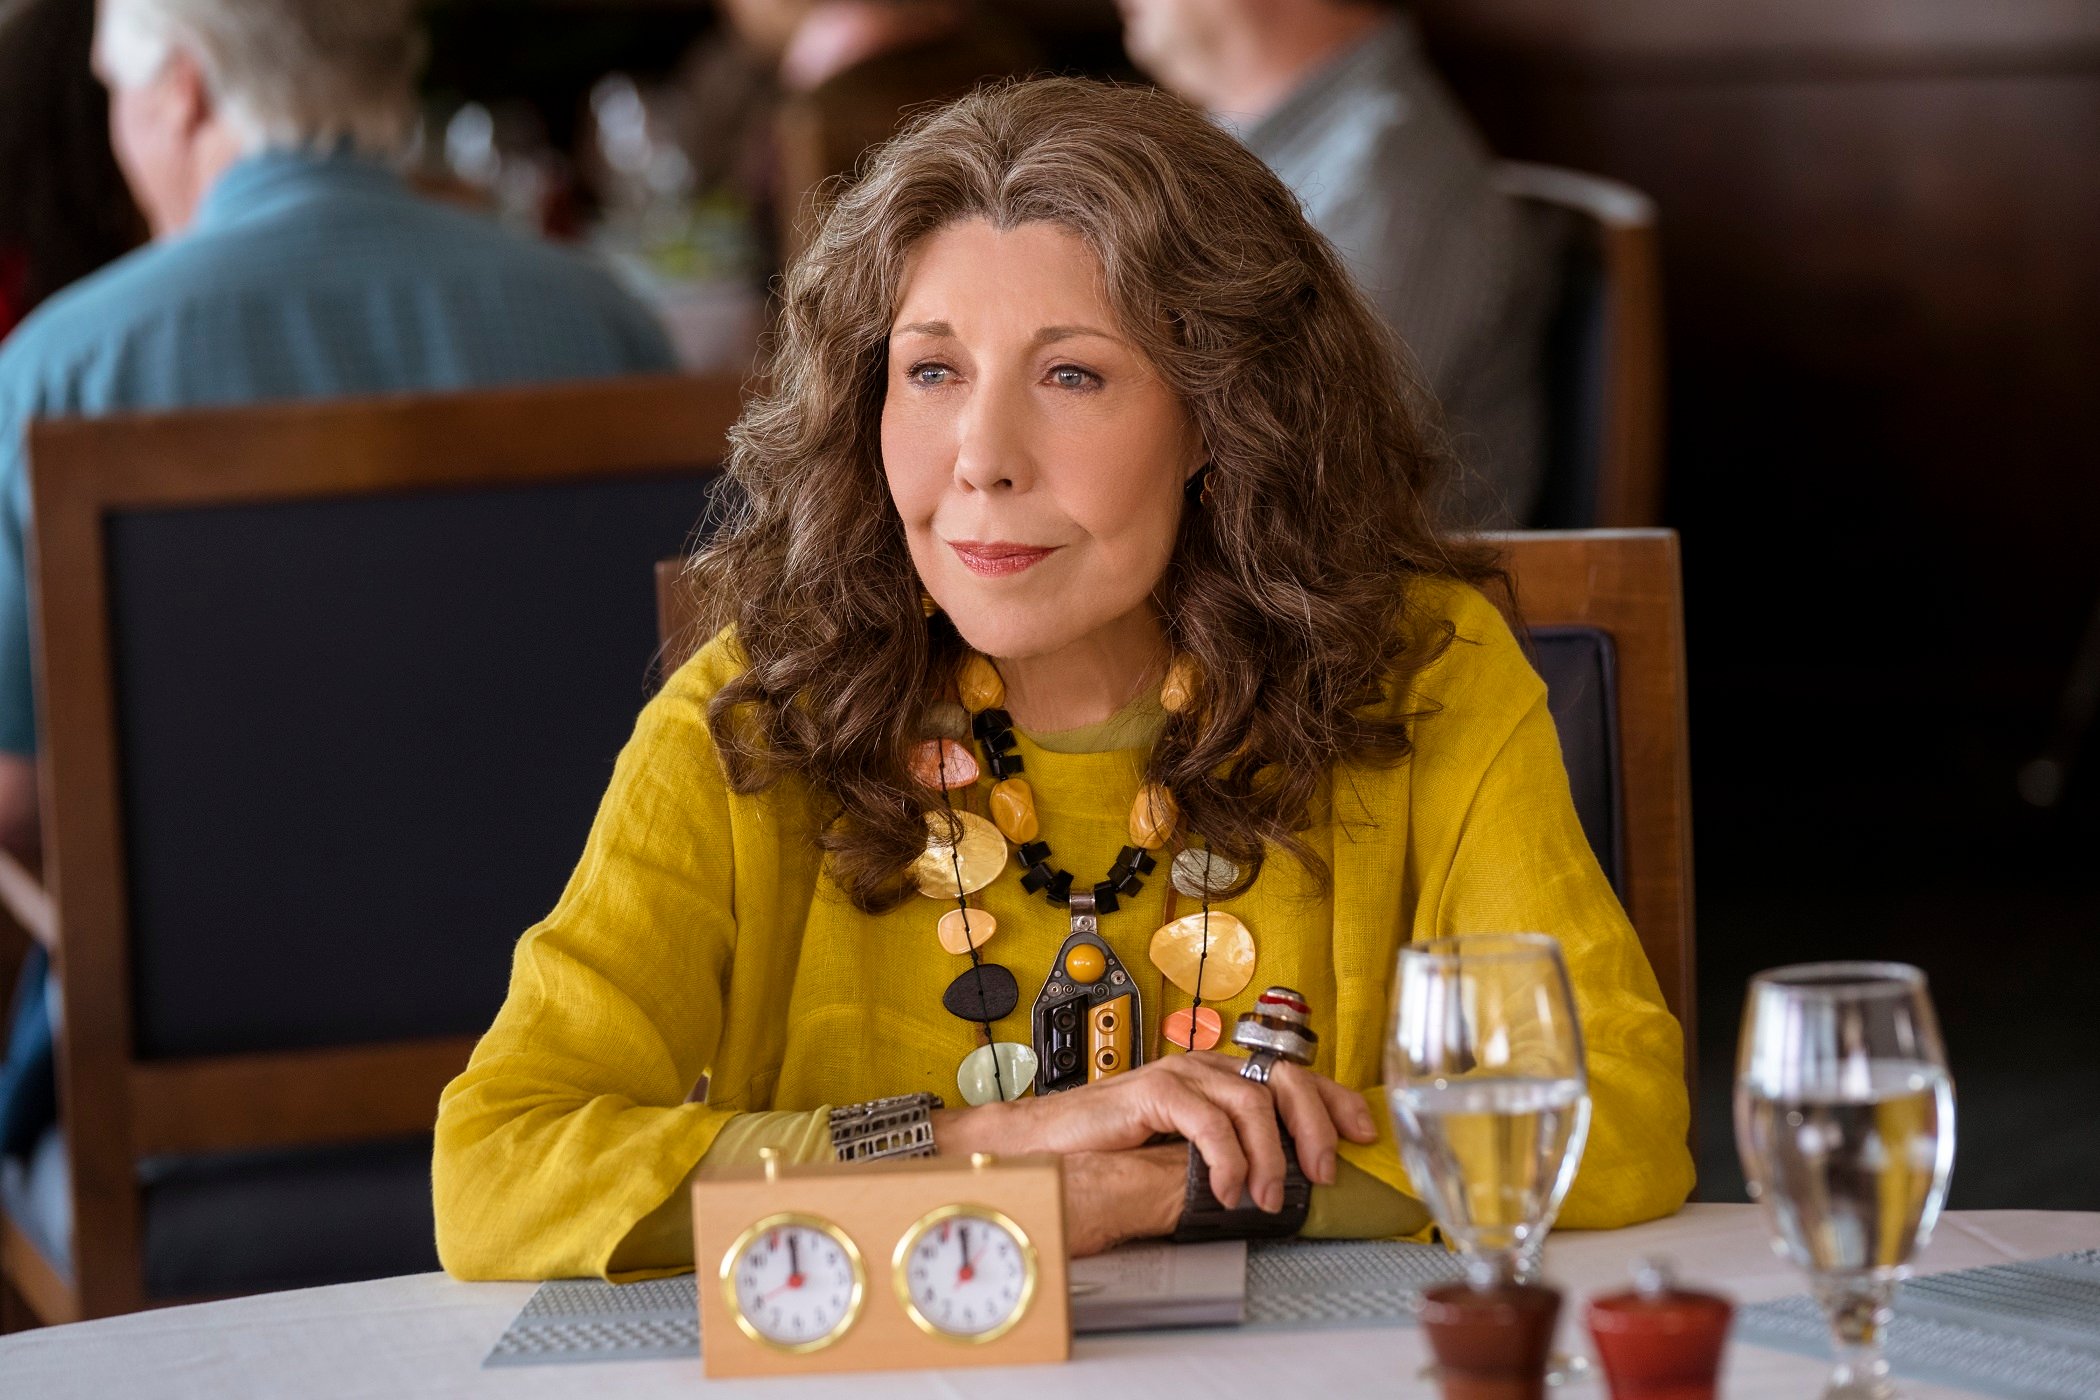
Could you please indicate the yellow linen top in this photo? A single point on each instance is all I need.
(699, 937)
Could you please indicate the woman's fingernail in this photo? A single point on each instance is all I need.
(1323, 1170)
(1272, 1197)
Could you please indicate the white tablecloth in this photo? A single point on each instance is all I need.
(426, 1335)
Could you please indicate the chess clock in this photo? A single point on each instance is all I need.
(974, 1249)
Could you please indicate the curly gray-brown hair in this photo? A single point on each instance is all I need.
(1289, 585)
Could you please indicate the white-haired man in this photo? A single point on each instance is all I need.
(1337, 98)
(287, 262)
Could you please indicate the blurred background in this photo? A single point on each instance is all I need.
(1873, 393)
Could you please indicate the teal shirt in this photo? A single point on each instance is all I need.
(302, 276)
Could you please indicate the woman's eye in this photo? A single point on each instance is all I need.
(931, 375)
(1073, 377)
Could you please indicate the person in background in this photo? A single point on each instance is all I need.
(67, 211)
(811, 84)
(1337, 98)
(288, 261)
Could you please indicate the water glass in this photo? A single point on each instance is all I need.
(1844, 1117)
(1484, 1065)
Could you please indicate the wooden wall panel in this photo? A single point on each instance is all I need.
(1881, 233)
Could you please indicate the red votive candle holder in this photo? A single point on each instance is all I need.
(1659, 1341)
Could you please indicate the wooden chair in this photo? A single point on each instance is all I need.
(330, 693)
(1603, 611)
(1603, 358)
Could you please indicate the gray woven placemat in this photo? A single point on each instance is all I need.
(1291, 1285)
(2021, 1330)
(1305, 1285)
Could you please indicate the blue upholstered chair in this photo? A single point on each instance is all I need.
(331, 694)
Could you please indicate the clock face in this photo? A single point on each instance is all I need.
(794, 1282)
(966, 1272)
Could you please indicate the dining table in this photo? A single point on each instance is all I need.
(426, 1335)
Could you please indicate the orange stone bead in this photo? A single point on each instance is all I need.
(1211, 956)
(942, 763)
(1085, 964)
(1013, 809)
(1184, 678)
(1153, 817)
(978, 684)
(960, 930)
(1208, 1028)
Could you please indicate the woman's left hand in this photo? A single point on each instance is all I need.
(1201, 1097)
(1112, 1197)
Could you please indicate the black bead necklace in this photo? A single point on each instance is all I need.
(994, 730)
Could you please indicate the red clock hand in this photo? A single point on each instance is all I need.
(965, 1273)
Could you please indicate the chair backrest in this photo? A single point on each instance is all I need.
(1603, 355)
(331, 692)
(1603, 612)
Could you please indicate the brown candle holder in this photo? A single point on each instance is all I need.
(1491, 1343)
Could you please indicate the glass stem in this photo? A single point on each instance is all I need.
(1859, 1310)
(1492, 1270)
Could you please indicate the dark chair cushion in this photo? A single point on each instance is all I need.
(252, 1222)
(1580, 670)
(363, 740)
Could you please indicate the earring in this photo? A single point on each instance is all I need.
(1197, 488)
(927, 607)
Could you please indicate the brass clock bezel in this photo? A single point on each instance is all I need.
(831, 1230)
(1031, 1270)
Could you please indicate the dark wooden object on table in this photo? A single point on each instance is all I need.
(1625, 583)
(1604, 367)
(118, 1107)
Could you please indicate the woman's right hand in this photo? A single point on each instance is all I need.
(1201, 1097)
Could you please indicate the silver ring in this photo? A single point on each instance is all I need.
(1259, 1066)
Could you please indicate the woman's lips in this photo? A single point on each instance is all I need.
(999, 557)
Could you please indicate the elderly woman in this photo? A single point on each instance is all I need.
(1084, 662)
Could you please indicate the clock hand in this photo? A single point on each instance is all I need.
(966, 1273)
(794, 1263)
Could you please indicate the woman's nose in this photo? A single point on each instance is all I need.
(992, 453)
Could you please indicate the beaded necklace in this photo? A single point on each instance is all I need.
(1088, 1019)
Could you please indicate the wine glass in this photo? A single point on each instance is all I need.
(1844, 1116)
(1484, 1065)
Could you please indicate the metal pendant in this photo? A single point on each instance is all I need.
(1089, 1015)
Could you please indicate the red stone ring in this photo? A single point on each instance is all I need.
(1278, 1028)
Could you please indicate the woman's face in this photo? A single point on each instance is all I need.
(1034, 454)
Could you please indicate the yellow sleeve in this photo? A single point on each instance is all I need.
(663, 1239)
(571, 1122)
(1524, 865)
(1495, 846)
(1361, 1207)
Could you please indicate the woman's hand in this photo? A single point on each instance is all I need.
(1201, 1097)
(1111, 1197)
